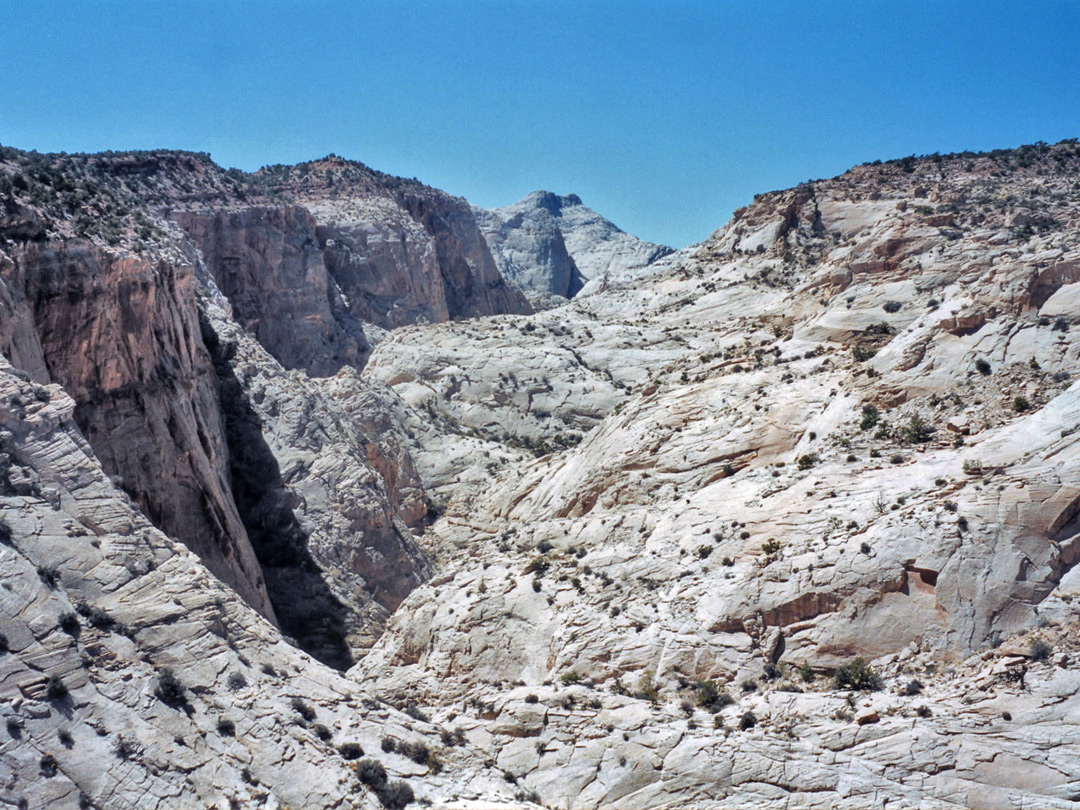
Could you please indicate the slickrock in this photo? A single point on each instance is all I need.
(785, 520)
(778, 490)
(97, 606)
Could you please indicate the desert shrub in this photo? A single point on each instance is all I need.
(123, 748)
(49, 575)
(924, 711)
(892, 306)
(95, 616)
(226, 728)
(415, 713)
(388, 745)
(857, 675)
(913, 688)
(371, 773)
(711, 697)
(1040, 650)
(771, 547)
(396, 795)
(5, 532)
(570, 678)
(862, 353)
(983, 367)
(807, 461)
(351, 750)
(418, 752)
(532, 699)
(870, 416)
(65, 738)
(55, 689)
(14, 727)
(749, 685)
(807, 672)
(48, 766)
(169, 689)
(1021, 404)
(322, 732)
(236, 681)
(69, 623)
(302, 709)
(917, 430)
(748, 720)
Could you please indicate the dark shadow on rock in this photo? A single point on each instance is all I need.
(307, 610)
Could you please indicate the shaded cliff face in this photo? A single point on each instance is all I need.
(268, 263)
(121, 334)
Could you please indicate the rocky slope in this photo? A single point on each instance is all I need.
(169, 297)
(845, 427)
(131, 677)
(552, 244)
(789, 519)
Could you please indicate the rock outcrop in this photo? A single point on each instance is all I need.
(789, 519)
(131, 677)
(773, 494)
(552, 244)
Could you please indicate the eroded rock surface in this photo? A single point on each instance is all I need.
(553, 244)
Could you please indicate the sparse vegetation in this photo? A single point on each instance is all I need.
(857, 675)
(1040, 650)
(169, 689)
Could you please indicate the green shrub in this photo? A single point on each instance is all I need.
(570, 678)
(1021, 404)
(748, 720)
(870, 415)
(807, 461)
(48, 575)
(69, 623)
(916, 431)
(858, 675)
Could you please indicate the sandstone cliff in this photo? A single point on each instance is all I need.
(554, 244)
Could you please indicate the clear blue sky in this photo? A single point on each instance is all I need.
(663, 116)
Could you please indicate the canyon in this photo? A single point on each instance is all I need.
(322, 488)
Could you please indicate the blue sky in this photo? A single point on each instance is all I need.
(663, 116)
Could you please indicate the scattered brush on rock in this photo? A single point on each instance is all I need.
(912, 688)
(55, 689)
(1040, 650)
(95, 616)
(48, 575)
(226, 728)
(351, 750)
(303, 709)
(711, 697)
(917, 431)
(169, 689)
(415, 713)
(69, 623)
(858, 675)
